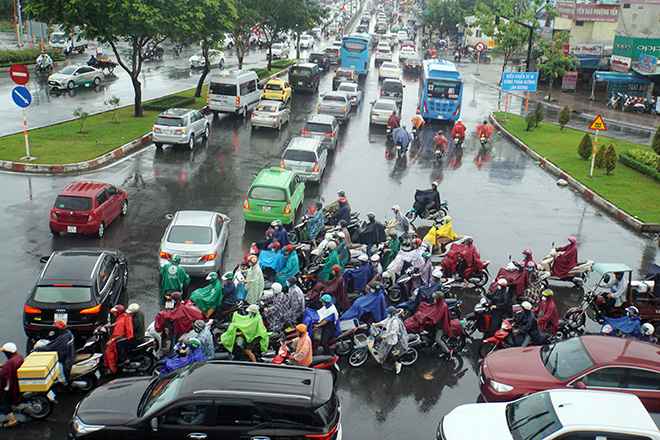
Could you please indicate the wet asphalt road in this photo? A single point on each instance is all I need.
(496, 195)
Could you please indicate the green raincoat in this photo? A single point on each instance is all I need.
(344, 253)
(330, 261)
(394, 244)
(255, 287)
(209, 297)
(251, 326)
(172, 277)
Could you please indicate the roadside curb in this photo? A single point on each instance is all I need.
(627, 219)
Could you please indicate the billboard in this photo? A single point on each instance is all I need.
(521, 81)
(620, 64)
(635, 47)
(587, 11)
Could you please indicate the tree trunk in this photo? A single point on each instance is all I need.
(550, 89)
(137, 87)
(270, 56)
(240, 53)
(506, 60)
(200, 84)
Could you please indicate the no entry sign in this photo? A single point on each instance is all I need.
(19, 74)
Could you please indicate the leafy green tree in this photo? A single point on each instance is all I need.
(655, 143)
(445, 15)
(564, 117)
(303, 15)
(242, 27)
(599, 159)
(539, 113)
(610, 159)
(82, 117)
(551, 59)
(586, 147)
(531, 120)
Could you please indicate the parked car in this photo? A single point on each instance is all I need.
(77, 286)
(275, 194)
(280, 50)
(392, 89)
(75, 76)
(344, 74)
(381, 110)
(324, 128)
(215, 399)
(412, 65)
(180, 126)
(271, 114)
(389, 70)
(199, 238)
(335, 104)
(277, 90)
(306, 157)
(306, 41)
(592, 362)
(383, 53)
(87, 208)
(321, 59)
(556, 414)
(353, 91)
(197, 61)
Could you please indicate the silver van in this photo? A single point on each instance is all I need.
(306, 157)
(324, 128)
(234, 91)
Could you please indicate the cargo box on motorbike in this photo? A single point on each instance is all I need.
(38, 371)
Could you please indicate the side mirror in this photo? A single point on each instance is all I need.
(169, 216)
(154, 424)
(580, 385)
(44, 259)
(606, 278)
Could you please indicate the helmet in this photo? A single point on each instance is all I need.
(438, 294)
(531, 264)
(277, 222)
(277, 287)
(288, 248)
(403, 126)
(341, 193)
(426, 255)
(396, 208)
(391, 310)
(418, 112)
(176, 259)
(60, 324)
(647, 329)
(632, 310)
(376, 285)
(342, 223)
(526, 305)
(253, 308)
(275, 244)
(198, 325)
(252, 259)
(340, 234)
(194, 342)
(485, 121)
(446, 219)
(572, 239)
(302, 328)
(332, 245)
(502, 282)
(371, 215)
(176, 296)
(342, 200)
(336, 268)
(270, 231)
(119, 309)
(212, 276)
(363, 257)
(417, 241)
(292, 281)
(326, 299)
(440, 132)
(10, 347)
(460, 120)
(435, 184)
(375, 258)
(607, 329)
(437, 273)
(469, 240)
(228, 276)
(133, 308)
(547, 292)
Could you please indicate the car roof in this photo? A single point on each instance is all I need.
(78, 189)
(334, 95)
(346, 69)
(308, 65)
(275, 81)
(603, 268)
(389, 102)
(282, 384)
(176, 112)
(194, 218)
(273, 176)
(610, 350)
(594, 408)
(389, 65)
(321, 119)
(391, 81)
(348, 84)
(74, 265)
(303, 143)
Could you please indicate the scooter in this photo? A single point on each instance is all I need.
(478, 319)
(497, 341)
(319, 362)
(364, 346)
(388, 133)
(141, 358)
(43, 69)
(84, 371)
(458, 141)
(438, 153)
(578, 275)
(401, 151)
(397, 291)
(37, 405)
(457, 56)
(477, 274)
(483, 140)
(616, 100)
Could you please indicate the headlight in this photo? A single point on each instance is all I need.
(500, 387)
(82, 428)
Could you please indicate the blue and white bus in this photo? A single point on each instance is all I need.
(355, 52)
(440, 91)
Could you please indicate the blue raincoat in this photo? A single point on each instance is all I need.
(315, 224)
(272, 259)
(373, 302)
(329, 313)
(291, 267)
(281, 236)
(361, 276)
(197, 355)
(624, 326)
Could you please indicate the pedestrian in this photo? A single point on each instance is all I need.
(10, 393)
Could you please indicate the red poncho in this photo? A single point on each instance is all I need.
(566, 261)
(429, 314)
(549, 316)
(334, 287)
(518, 277)
(468, 252)
(183, 315)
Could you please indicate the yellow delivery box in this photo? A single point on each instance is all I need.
(38, 371)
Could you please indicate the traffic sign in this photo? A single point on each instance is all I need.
(19, 74)
(479, 47)
(520, 81)
(598, 124)
(21, 96)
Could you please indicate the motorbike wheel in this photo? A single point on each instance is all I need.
(575, 319)
(85, 383)
(486, 348)
(358, 358)
(343, 347)
(39, 407)
(394, 294)
(478, 278)
(411, 215)
(409, 357)
(157, 370)
(146, 364)
(456, 344)
(444, 212)
(293, 238)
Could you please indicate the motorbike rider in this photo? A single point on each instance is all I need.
(399, 223)
(485, 130)
(347, 236)
(331, 263)
(277, 311)
(401, 136)
(205, 338)
(391, 250)
(188, 352)
(210, 297)
(281, 235)
(302, 344)
(418, 121)
(360, 276)
(328, 319)
(565, 261)
(291, 266)
(62, 341)
(615, 295)
(178, 320)
(342, 247)
(403, 260)
(44, 60)
(376, 269)
(251, 328)
(370, 232)
(230, 296)
(297, 298)
(271, 261)
(267, 240)
(434, 315)
(122, 328)
(527, 257)
(334, 206)
(439, 236)
(525, 329)
(393, 121)
(10, 393)
(459, 129)
(394, 338)
(535, 288)
(629, 326)
(648, 331)
(172, 277)
(548, 316)
(500, 306)
(440, 141)
(254, 280)
(124, 345)
(316, 221)
(343, 213)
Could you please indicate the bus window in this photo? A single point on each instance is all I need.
(443, 89)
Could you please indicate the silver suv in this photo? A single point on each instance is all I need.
(336, 104)
(324, 128)
(180, 126)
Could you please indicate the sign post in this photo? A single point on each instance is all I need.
(22, 98)
(597, 125)
(479, 47)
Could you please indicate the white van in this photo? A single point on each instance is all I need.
(234, 91)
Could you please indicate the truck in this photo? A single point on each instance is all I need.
(68, 42)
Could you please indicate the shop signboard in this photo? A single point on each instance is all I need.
(635, 47)
(620, 64)
(647, 63)
(587, 11)
(569, 81)
(583, 50)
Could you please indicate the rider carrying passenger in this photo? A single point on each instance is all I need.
(401, 136)
(434, 315)
(525, 328)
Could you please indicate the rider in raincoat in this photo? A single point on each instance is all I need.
(210, 297)
(254, 280)
(251, 327)
(316, 222)
(330, 261)
(438, 237)
(391, 250)
(172, 277)
(393, 338)
(291, 265)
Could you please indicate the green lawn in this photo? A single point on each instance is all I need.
(631, 191)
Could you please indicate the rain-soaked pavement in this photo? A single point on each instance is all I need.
(497, 195)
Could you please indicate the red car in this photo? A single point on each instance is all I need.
(87, 208)
(591, 362)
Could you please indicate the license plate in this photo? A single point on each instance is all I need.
(189, 260)
(97, 373)
(71, 229)
(50, 395)
(265, 208)
(169, 305)
(299, 169)
(61, 317)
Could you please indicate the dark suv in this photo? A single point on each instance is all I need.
(214, 400)
(342, 74)
(78, 287)
(320, 59)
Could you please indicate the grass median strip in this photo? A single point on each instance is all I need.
(626, 188)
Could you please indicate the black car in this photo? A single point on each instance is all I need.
(214, 400)
(77, 286)
(412, 65)
(344, 74)
(320, 59)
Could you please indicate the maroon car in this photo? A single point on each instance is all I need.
(592, 362)
(87, 208)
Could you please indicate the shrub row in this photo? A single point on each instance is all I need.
(648, 158)
(166, 102)
(27, 56)
(627, 159)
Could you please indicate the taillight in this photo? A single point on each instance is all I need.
(304, 132)
(327, 436)
(208, 97)
(316, 168)
(53, 214)
(246, 204)
(238, 101)
(400, 95)
(425, 109)
(458, 109)
(319, 108)
(335, 74)
(330, 134)
(345, 109)
(91, 217)
(91, 310)
(164, 255)
(287, 208)
(365, 65)
(282, 164)
(209, 257)
(31, 310)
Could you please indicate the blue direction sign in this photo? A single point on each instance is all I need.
(520, 81)
(21, 96)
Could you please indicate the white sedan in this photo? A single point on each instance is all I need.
(405, 53)
(306, 41)
(271, 114)
(215, 57)
(352, 91)
(74, 76)
(388, 70)
(280, 50)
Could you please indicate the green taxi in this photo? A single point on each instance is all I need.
(275, 194)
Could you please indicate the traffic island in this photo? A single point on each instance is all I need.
(625, 194)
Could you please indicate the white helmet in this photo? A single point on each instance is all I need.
(10, 347)
(277, 287)
(437, 273)
(363, 257)
(647, 329)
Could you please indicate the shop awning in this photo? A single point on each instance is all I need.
(620, 77)
(589, 63)
(646, 74)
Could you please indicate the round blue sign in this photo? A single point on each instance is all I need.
(21, 96)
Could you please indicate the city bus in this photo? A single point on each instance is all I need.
(355, 53)
(440, 90)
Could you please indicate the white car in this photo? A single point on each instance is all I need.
(74, 76)
(389, 70)
(405, 53)
(352, 91)
(215, 57)
(383, 53)
(402, 36)
(306, 42)
(229, 41)
(271, 114)
(280, 50)
(317, 32)
(556, 414)
(381, 110)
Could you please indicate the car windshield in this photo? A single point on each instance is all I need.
(190, 234)
(60, 294)
(315, 127)
(566, 358)
(301, 72)
(57, 38)
(300, 155)
(267, 193)
(391, 87)
(269, 108)
(162, 391)
(532, 418)
(200, 54)
(345, 87)
(169, 121)
(344, 74)
(71, 203)
(68, 70)
(222, 89)
(389, 66)
(384, 105)
(443, 89)
(273, 86)
(277, 46)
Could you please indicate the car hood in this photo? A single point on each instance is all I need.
(504, 366)
(114, 403)
(59, 77)
(196, 58)
(491, 417)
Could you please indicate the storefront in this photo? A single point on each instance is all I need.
(629, 83)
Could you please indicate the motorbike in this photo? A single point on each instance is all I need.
(410, 307)
(429, 213)
(141, 358)
(401, 151)
(364, 346)
(616, 100)
(102, 63)
(483, 140)
(458, 141)
(438, 153)
(45, 69)
(176, 50)
(578, 275)
(478, 319)
(476, 274)
(388, 133)
(37, 405)
(395, 292)
(415, 132)
(456, 344)
(319, 362)
(84, 371)
(497, 341)
(153, 53)
(457, 56)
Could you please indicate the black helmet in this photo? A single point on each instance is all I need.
(342, 223)
(292, 281)
(176, 297)
(341, 193)
(376, 285)
(485, 122)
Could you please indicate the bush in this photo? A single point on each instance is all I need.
(564, 117)
(599, 161)
(167, 102)
(82, 117)
(631, 162)
(610, 159)
(27, 56)
(655, 143)
(585, 147)
(646, 157)
(539, 114)
(531, 121)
